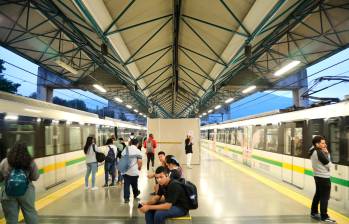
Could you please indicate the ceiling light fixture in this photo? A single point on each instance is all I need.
(249, 89)
(11, 117)
(129, 106)
(217, 107)
(118, 99)
(99, 88)
(229, 100)
(204, 114)
(66, 67)
(32, 110)
(141, 114)
(286, 68)
(135, 110)
(210, 111)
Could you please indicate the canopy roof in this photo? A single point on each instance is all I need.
(173, 58)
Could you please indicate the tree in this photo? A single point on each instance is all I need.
(7, 85)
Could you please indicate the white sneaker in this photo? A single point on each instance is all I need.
(94, 188)
(86, 188)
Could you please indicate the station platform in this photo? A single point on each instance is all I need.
(228, 193)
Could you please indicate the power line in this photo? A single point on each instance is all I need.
(54, 83)
(280, 88)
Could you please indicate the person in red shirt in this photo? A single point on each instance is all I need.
(150, 146)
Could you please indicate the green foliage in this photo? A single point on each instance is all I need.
(7, 85)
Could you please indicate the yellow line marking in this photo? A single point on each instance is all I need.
(181, 218)
(49, 199)
(340, 218)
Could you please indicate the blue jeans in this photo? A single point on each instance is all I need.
(133, 181)
(159, 216)
(91, 168)
(109, 168)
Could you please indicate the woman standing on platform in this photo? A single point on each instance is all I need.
(18, 171)
(188, 150)
(91, 161)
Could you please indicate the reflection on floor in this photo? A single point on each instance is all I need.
(226, 196)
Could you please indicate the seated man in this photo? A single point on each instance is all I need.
(170, 201)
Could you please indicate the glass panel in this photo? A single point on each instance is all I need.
(258, 138)
(347, 139)
(334, 141)
(232, 134)
(272, 139)
(60, 139)
(74, 139)
(288, 140)
(49, 140)
(239, 136)
(298, 142)
(23, 133)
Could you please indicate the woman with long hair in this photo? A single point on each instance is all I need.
(188, 150)
(110, 163)
(19, 165)
(90, 150)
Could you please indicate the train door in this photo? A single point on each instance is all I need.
(335, 132)
(293, 161)
(54, 167)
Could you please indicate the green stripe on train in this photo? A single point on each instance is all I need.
(68, 163)
(308, 172)
(74, 161)
(230, 149)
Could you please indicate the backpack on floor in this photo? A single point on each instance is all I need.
(17, 183)
(110, 158)
(191, 192)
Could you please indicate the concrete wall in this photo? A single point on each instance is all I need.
(171, 133)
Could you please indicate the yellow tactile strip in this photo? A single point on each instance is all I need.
(340, 218)
(45, 201)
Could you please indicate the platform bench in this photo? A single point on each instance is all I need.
(179, 220)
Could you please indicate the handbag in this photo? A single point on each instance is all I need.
(100, 157)
(124, 162)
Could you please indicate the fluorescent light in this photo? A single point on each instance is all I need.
(118, 99)
(38, 120)
(135, 110)
(11, 117)
(229, 100)
(217, 107)
(144, 116)
(66, 67)
(141, 114)
(210, 111)
(32, 110)
(129, 106)
(286, 68)
(204, 114)
(249, 89)
(200, 116)
(99, 88)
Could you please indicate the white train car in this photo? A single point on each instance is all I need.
(55, 135)
(278, 144)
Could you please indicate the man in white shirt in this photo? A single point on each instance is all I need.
(132, 174)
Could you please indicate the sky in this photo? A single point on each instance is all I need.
(28, 81)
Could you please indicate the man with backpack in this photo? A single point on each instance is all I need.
(110, 162)
(150, 146)
(177, 202)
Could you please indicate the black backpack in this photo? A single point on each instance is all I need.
(191, 192)
(100, 157)
(110, 158)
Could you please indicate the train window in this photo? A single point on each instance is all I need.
(232, 136)
(227, 135)
(49, 140)
(347, 138)
(298, 141)
(60, 139)
(239, 136)
(258, 138)
(74, 138)
(272, 139)
(334, 141)
(23, 132)
(288, 141)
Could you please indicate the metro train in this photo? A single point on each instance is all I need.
(55, 135)
(278, 144)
